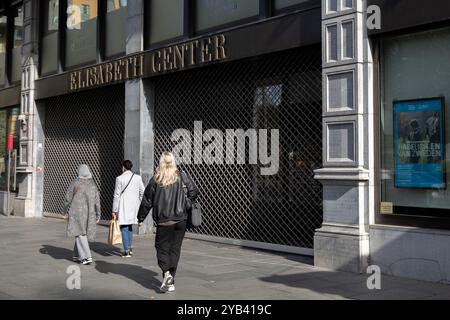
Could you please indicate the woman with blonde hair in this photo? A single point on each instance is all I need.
(165, 194)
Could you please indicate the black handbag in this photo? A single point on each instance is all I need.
(195, 217)
(193, 208)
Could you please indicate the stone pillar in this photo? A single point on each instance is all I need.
(342, 243)
(139, 105)
(25, 202)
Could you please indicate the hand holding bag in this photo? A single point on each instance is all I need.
(115, 235)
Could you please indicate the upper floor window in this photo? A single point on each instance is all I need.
(81, 32)
(3, 31)
(116, 28)
(49, 40)
(165, 20)
(16, 55)
(213, 13)
(281, 4)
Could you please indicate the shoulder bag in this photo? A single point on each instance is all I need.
(127, 184)
(193, 208)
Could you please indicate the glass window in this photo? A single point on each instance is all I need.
(281, 4)
(414, 135)
(116, 18)
(81, 32)
(2, 49)
(9, 131)
(166, 20)
(212, 13)
(49, 51)
(16, 56)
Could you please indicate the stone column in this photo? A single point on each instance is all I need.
(139, 105)
(342, 243)
(25, 203)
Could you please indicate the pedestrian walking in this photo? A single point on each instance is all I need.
(82, 209)
(168, 193)
(127, 198)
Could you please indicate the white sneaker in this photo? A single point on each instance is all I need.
(164, 288)
(167, 282)
(168, 278)
(171, 288)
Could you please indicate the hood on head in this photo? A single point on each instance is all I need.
(84, 172)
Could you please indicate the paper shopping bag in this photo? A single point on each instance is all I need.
(115, 235)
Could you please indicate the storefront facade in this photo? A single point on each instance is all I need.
(385, 168)
(114, 79)
(361, 175)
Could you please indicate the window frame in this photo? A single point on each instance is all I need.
(395, 219)
(42, 32)
(103, 34)
(100, 37)
(262, 10)
(7, 11)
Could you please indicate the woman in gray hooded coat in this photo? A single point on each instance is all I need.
(82, 207)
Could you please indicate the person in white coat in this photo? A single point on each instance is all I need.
(127, 199)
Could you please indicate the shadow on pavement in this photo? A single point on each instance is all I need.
(288, 256)
(138, 274)
(336, 283)
(56, 252)
(104, 249)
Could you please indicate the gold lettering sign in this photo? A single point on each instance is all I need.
(176, 57)
(190, 54)
(119, 70)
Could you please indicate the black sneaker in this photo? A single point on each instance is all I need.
(131, 252)
(86, 262)
(75, 259)
(126, 254)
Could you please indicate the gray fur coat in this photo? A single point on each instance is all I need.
(83, 206)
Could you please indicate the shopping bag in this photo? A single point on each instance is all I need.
(115, 235)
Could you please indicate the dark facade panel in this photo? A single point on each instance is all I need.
(290, 31)
(401, 14)
(10, 96)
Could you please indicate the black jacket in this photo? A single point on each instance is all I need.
(168, 203)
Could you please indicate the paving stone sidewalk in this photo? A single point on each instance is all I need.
(35, 256)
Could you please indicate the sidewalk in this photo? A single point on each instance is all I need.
(35, 255)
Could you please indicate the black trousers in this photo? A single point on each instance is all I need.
(168, 246)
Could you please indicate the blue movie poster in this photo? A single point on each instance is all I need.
(419, 144)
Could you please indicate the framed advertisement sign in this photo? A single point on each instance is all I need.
(419, 143)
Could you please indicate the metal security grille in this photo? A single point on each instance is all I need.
(88, 128)
(281, 91)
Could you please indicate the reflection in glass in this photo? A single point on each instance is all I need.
(280, 4)
(408, 62)
(49, 43)
(81, 33)
(2, 49)
(116, 17)
(211, 13)
(166, 20)
(8, 127)
(16, 62)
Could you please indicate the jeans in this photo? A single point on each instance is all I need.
(127, 236)
(168, 246)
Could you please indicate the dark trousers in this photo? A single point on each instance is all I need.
(168, 246)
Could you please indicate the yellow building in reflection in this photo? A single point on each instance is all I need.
(79, 11)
